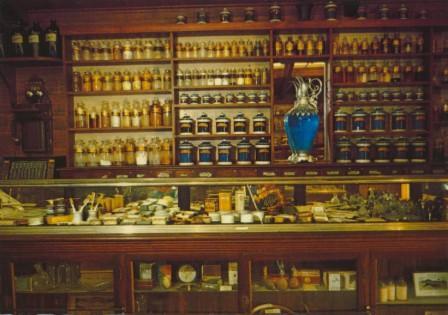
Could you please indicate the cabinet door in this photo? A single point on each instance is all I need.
(411, 283)
(64, 286)
(306, 285)
(185, 286)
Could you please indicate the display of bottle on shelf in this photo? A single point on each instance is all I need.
(388, 44)
(223, 49)
(89, 50)
(126, 115)
(204, 125)
(244, 153)
(97, 81)
(131, 152)
(381, 150)
(261, 97)
(222, 77)
(378, 120)
(373, 95)
(391, 291)
(33, 43)
(310, 45)
(376, 72)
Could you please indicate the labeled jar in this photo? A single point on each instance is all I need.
(260, 124)
(240, 124)
(244, 152)
(166, 113)
(359, 120)
(222, 123)
(204, 125)
(224, 153)
(206, 152)
(401, 150)
(262, 152)
(186, 125)
(141, 155)
(81, 116)
(378, 120)
(341, 121)
(362, 154)
(343, 150)
(382, 151)
(418, 150)
(186, 153)
(398, 118)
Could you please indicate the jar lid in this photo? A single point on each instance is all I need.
(343, 142)
(222, 116)
(383, 141)
(240, 116)
(185, 144)
(262, 142)
(186, 117)
(224, 144)
(259, 116)
(359, 112)
(204, 117)
(244, 142)
(205, 145)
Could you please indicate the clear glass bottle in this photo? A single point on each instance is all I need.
(86, 51)
(126, 84)
(166, 113)
(94, 118)
(166, 79)
(87, 82)
(138, 50)
(92, 153)
(79, 158)
(165, 152)
(136, 116)
(156, 113)
(127, 53)
(136, 81)
(115, 117)
(145, 114)
(129, 151)
(157, 80)
(126, 115)
(141, 155)
(105, 115)
(147, 80)
(105, 156)
(148, 50)
(116, 51)
(117, 86)
(117, 152)
(76, 51)
(81, 118)
(97, 81)
(108, 84)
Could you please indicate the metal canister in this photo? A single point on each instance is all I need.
(341, 121)
(401, 150)
(186, 125)
(398, 118)
(378, 120)
(225, 149)
(343, 150)
(204, 125)
(359, 120)
(418, 119)
(240, 124)
(418, 150)
(222, 123)
(186, 153)
(382, 151)
(262, 152)
(244, 152)
(363, 153)
(260, 123)
(206, 153)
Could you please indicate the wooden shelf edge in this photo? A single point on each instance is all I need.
(116, 62)
(113, 130)
(111, 93)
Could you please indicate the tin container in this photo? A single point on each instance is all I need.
(206, 153)
(401, 150)
(224, 153)
(260, 124)
(222, 123)
(398, 120)
(341, 121)
(418, 150)
(262, 152)
(330, 11)
(359, 120)
(240, 124)
(363, 153)
(275, 13)
(343, 150)
(418, 119)
(244, 152)
(186, 125)
(204, 125)
(378, 120)
(382, 151)
(186, 153)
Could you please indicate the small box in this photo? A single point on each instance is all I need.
(347, 280)
(334, 281)
(233, 273)
(309, 278)
(211, 205)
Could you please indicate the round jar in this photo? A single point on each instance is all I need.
(240, 98)
(359, 120)
(330, 11)
(252, 98)
(408, 96)
(343, 151)
(224, 154)
(418, 150)
(222, 123)
(204, 125)
(244, 152)
(341, 121)
(205, 153)
(186, 153)
(218, 98)
(184, 99)
(225, 16)
(418, 119)
(401, 151)
(275, 14)
(260, 124)
(419, 95)
(382, 151)
(240, 124)
(262, 152)
(249, 15)
(378, 120)
(194, 98)
(362, 146)
(186, 125)
(398, 118)
(206, 99)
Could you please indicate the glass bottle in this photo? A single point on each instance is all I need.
(76, 51)
(105, 115)
(80, 116)
(309, 46)
(126, 115)
(136, 81)
(117, 152)
(147, 80)
(156, 113)
(35, 43)
(166, 79)
(108, 84)
(96, 51)
(396, 44)
(127, 51)
(92, 153)
(364, 49)
(165, 152)
(338, 75)
(116, 51)
(265, 47)
(147, 49)
(420, 45)
(300, 46)
(166, 113)
(145, 114)
(420, 73)
(248, 80)
(278, 46)
(345, 47)
(195, 49)
(79, 158)
(289, 46)
(141, 155)
(115, 117)
(355, 46)
(97, 81)
(17, 40)
(138, 50)
(350, 73)
(129, 152)
(362, 73)
(87, 82)
(373, 73)
(157, 81)
(106, 51)
(117, 86)
(408, 72)
(86, 51)
(336, 48)
(407, 45)
(136, 117)
(158, 49)
(76, 82)
(94, 118)
(320, 45)
(386, 44)
(126, 84)
(52, 46)
(386, 76)
(375, 46)
(396, 72)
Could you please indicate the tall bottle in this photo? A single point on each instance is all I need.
(52, 45)
(17, 40)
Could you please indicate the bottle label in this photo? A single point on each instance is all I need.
(17, 38)
(33, 39)
(50, 37)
